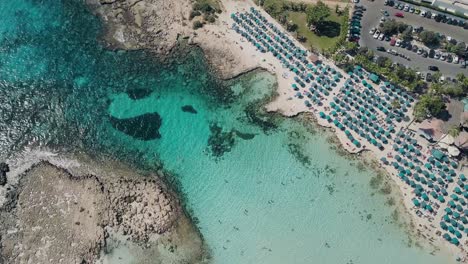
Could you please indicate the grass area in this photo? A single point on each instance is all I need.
(320, 43)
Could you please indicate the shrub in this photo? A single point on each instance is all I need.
(194, 13)
(197, 24)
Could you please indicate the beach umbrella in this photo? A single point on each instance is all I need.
(451, 229)
(462, 177)
(429, 208)
(446, 218)
(441, 199)
(447, 237)
(455, 241)
(443, 225)
(452, 204)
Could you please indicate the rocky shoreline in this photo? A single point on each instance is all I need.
(58, 215)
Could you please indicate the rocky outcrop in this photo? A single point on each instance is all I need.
(54, 216)
(140, 208)
(137, 24)
(4, 168)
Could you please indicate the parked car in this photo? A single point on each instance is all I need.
(433, 68)
(415, 48)
(455, 59)
(431, 53)
(449, 58)
(443, 57)
(419, 52)
(376, 34)
(381, 36)
(428, 14)
(372, 31)
(392, 42)
(406, 8)
(423, 13)
(412, 9)
(437, 55)
(424, 54)
(428, 77)
(380, 48)
(399, 14)
(398, 43)
(433, 15)
(387, 38)
(401, 6)
(409, 46)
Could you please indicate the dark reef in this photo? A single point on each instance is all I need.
(143, 127)
(220, 142)
(138, 93)
(189, 109)
(244, 136)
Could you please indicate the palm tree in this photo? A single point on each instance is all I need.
(454, 131)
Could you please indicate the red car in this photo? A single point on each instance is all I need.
(399, 14)
(392, 42)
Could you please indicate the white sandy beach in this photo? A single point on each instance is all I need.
(244, 56)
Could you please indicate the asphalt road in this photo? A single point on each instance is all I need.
(371, 19)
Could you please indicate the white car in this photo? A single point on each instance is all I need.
(406, 9)
(420, 51)
(456, 59)
(382, 19)
(398, 43)
(433, 15)
(372, 31)
(437, 55)
(423, 13)
(443, 57)
(381, 36)
(355, 1)
(376, 34)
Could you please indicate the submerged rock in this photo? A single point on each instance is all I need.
(70, 218)
(244, 136)
(189, 109)
(143, 127)
(219, 141)
(4, 168)
(138, 93)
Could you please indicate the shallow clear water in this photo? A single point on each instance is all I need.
(263, 189)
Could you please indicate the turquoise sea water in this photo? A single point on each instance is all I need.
(262, 189)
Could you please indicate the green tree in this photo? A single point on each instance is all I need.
(389, 27)
(407, 34)
(454, 131)
(317, 13)
(273, 7)
(428, 105)
(429, 38)
(460, 49)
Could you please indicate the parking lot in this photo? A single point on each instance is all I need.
(371, 19)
